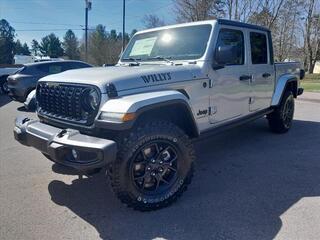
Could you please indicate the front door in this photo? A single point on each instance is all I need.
(230, 85)
(262, 70)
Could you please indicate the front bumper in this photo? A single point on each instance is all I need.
(65, 146)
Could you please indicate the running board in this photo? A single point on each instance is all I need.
(233, 123)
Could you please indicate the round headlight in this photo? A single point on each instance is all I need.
(93, 99)
(90, 99)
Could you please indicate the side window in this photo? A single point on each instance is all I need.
(66, 66)
(76, 65)
(55, 68)
(82, 65)
(43, 68)
(259, 48)
(230, 47)
(73, 65)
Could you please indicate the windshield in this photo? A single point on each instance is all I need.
(182, 43)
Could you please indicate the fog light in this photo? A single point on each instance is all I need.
(74, 153)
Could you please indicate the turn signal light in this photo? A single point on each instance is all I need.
(128, 117)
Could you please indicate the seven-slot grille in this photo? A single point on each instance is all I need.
(64, 102)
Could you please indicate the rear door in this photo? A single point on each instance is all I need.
(49, 68)
(73, 65)
(261, 68)
(55, 68)
(230, 88)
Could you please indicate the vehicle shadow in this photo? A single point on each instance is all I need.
(4, 99)
(246, 179)
(23, 109)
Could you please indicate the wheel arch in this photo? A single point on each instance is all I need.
(4, 77)
(175, 111)
(285, 82)
(170, 105)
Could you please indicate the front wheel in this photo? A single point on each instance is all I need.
(153, 167)
(280, 120)
(4, 87)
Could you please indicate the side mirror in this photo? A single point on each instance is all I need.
(224, 55)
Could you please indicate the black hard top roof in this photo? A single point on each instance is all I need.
(241, 24)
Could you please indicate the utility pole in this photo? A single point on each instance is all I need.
(88, 7)
(123, 24)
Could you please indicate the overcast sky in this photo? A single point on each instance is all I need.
(33, 19)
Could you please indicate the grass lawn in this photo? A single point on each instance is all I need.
(311, 83)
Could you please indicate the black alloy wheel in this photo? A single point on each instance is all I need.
(155, 167)
(280, 120)
(287, 112)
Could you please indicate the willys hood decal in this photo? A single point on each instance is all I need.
(124, 77)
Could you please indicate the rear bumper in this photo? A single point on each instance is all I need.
(65, 146)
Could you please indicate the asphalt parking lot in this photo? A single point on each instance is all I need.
(249, 184)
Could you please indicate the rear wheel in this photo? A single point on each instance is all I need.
(154, 166)
(280, 120)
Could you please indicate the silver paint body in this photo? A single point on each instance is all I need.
(218, 90)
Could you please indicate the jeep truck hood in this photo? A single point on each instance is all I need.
(125, 77)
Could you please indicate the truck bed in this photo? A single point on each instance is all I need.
(287, 67)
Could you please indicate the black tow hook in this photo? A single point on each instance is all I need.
(62, 133)
(25, 120)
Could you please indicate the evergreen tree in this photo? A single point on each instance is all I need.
(35, 47)
(51, 46)
(98, 45)
(18, 49)
(7, 34)
(25, 49)
(71, 45)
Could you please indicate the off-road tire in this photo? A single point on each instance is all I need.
(120, 171)
(280, 120)
(4, 85)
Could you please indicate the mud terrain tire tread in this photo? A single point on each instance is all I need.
(137, 137)
(275, 120)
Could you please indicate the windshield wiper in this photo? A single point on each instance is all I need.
(167, 59)
(133, 60)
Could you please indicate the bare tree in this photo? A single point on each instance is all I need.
(286, 34)
(197, 10)
(267, 13)
(312, 35)
(241, 10)
(104, 47)
(152, 21)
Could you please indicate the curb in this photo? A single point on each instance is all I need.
(310, 97)
(308, 100)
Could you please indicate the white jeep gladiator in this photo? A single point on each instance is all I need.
(171, 85)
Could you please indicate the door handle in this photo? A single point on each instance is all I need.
(245, 77)
(266, 75)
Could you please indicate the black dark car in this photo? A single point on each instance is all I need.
(25, 80)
